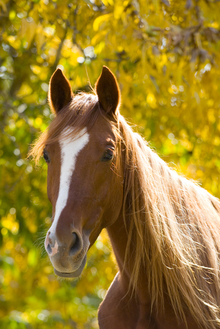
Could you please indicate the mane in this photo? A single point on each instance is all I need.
(174, 227)
(82, 111)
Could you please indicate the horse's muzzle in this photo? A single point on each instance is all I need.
(68, 258)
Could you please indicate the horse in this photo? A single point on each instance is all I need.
(164, 229)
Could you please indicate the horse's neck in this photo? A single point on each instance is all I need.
(118, 238)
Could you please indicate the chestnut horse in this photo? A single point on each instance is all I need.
(164, 229)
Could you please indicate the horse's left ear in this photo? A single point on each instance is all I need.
(60, 92)
(108, 91)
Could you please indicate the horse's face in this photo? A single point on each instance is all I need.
(84, 189)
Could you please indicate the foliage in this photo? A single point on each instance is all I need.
(166, 57)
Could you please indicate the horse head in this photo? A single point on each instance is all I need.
(85, 183)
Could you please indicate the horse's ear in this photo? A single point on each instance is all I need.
(60, 92)
(108, 91)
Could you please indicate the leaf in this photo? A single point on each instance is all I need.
(28, 30)
(100, 20)
(3, 5)
(118, 11)
(40, 38)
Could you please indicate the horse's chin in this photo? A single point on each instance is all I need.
(73, 274)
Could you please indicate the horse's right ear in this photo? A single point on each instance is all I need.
(60, 92)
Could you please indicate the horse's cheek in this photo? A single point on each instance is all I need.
(52, 184)
(113, 208)
(49, 186)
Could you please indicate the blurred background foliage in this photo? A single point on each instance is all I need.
(166, 56)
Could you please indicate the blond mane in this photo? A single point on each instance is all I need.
(175, 225)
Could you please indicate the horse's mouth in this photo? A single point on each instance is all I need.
(74, 274)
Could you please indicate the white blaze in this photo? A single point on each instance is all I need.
(70, 148)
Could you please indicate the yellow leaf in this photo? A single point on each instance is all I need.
(39, 38)
(24, 90)
(14, 42)
(28, 30)
(211, 116)
(2, 4)
(12, 15)
(118, 11)
(101, 19)
(151, 100)
(36, 69)
(60, 31)
(98, 37)
(108, 2)
(100, 47)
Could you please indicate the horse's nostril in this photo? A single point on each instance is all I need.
(75, 246)
(75, 237)
(49, 249)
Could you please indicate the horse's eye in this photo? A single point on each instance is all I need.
(46, 156)
(108, 155)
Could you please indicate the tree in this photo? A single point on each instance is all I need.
(165, 55)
